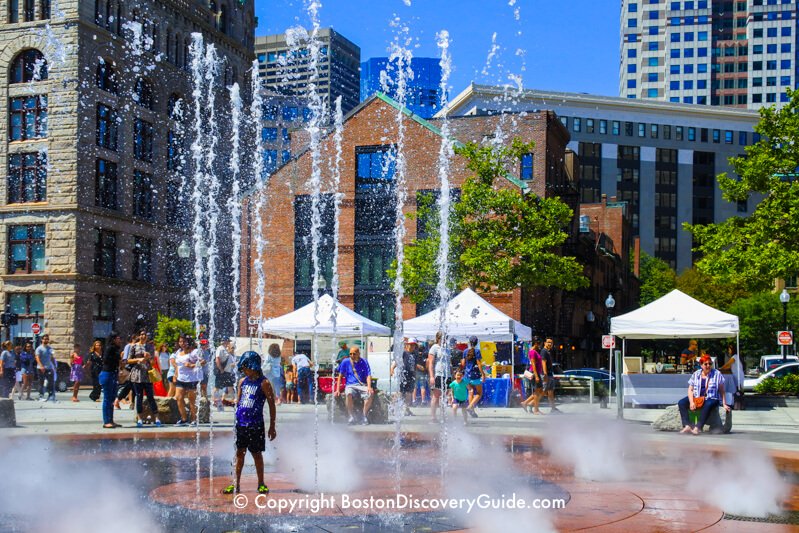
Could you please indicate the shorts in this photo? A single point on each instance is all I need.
(422, 379)
(460, 403)
(252, 438)
(407, 385)
(537, 385)
(550, 383)
(357, 390)
(442, 382)
(188, 385)
(290, 386)
(475, 382)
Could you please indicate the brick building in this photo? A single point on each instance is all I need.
(368, 206)
(88, 200)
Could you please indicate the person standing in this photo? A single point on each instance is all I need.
(28, 367)
(95, 362)
(302, 365)
(473, 368)
(76, 370)
(8, 370)
(112, 362)
(188, 374)
(224, 379)
(549, 374)
(343, 352)
(537, 369)
(688, 356)
(421, 378)
(438, 371)
(407, 374)
(206, 355)
(46, 365)
(140, 363)
(126, 389)
(275, 371)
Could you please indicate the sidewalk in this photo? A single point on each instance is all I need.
(776, 427)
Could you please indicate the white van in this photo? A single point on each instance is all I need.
(768, 362)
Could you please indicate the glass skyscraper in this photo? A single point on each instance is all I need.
(423, 93)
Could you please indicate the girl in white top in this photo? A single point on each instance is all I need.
(188, 373)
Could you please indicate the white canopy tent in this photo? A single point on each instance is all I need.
(675, 315)
(467, 315)
(299, 324)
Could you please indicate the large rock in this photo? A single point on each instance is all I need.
(378, 413)
(168, 410)
(8, 417)
(720, 421)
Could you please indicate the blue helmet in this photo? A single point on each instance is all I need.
(250, 360)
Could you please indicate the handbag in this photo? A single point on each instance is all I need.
(528, 375)
(154, 375)
(699, 401)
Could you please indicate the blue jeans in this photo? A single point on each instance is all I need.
(108, 381)
(707, 408)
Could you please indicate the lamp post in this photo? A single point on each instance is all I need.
(784, 298)
(589, 319)
(610, 303)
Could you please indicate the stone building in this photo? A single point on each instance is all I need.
(367, 219)
(93, 157)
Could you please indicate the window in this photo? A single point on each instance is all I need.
(628, 129)
(703, 134)
(174, 148)
(270, 160)
(142, 259)
(526, 171)
(603, 127)
(143, 93)
(771, 32)
(678, 133)
(653, 131)
(26, 249)
(269, 134)
(30, 10)
(616, 127)
(106, 78)
(688, 36)
(674, 53)
(107, 120)
(290, 113)
(632, 23)
(631, 68)
(105, 253)
(688, 69)
(652, 77)
(674, 85)
(692, 134)
(577, 124)
(28, 117)
(105, 190)
(632, 52)
(143, 194)
(104, 307)
(28, 303)
(589, 125)
(375, 166)
(688, 85)
(641, 129)
(688, 52)
(13, 11)
(285, 156)
(27, 177)
(28, 66)
(785, 64)
(142, 140)
(716, 136)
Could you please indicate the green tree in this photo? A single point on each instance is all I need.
(752, 251)
(169, 329)
(707, 290)
(499, 239)
(657, 278)
(760, 317)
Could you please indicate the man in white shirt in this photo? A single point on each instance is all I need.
(302, 369)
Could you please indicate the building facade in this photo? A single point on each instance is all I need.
(367, 218)
(660, 158)
(93, 158)
(711, 52)
(284, 67)
(423, 93)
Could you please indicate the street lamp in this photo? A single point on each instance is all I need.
(183, 250)
(610, 303)
(784, 298)
(321, 285)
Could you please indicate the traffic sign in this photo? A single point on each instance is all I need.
(784, 338)
(36, 328)
(608, 342)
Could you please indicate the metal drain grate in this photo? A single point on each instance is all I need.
(788, 517)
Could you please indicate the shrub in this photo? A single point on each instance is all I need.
(169, 329)
(785, 385)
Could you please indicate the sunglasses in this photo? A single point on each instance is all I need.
(707, 364)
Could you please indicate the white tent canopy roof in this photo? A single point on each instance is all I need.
(468, 314)
(675, 315)
(299, 324)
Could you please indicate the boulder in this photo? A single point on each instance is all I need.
(168, 410)
(378, 413)
(8, 417)
(720, 421)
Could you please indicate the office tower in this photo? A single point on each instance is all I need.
(423, 94)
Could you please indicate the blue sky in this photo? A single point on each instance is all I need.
(563, 45)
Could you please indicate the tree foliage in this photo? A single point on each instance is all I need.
(707, 290)
(499, 239)
(657, 278)
(169, 329)
(760, 317)
(752, 251)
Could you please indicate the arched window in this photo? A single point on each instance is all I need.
(175, 106)
(154, 36)
(28, 66)
(223, 19)
(143, 93)
(45, 7)
(168, 45)
(177, 55)
(106, 77)
(186, 54)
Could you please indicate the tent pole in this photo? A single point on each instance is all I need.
(619, 384)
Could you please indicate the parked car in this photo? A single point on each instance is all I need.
(770, 362)
(780, 371)
(597, 374)
(62, 380)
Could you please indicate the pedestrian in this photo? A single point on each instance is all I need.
(95, 364)
(474, 375)
(537, 381)
(302, 365)
(224, 378)
(112, 363)
(705, 393)
(46, 365)
(357, 381)
(549, 375)
(17, 372)
(421, 385)
(206, 356)
(459, 392)
(406, 375)
(688, 356)
(735, 367)
(28, 367)
(254, 391)
(8, 369)
(188, 374)
(274, 365)
(141, 362)
(76, 370)
(125, 393)
(162, 351)
(170, 374)
(439, 372)
(291, 384)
